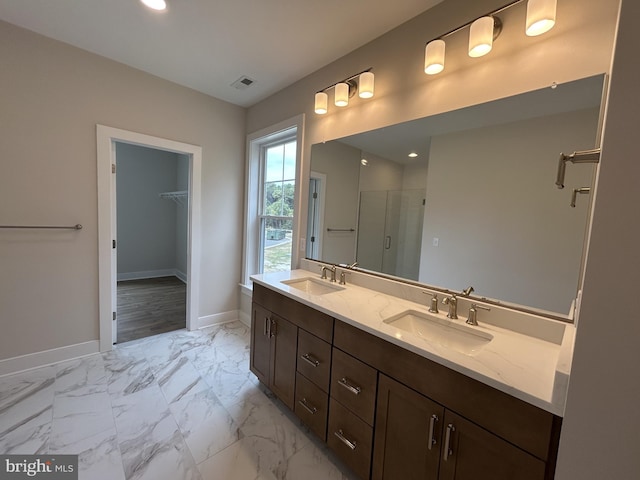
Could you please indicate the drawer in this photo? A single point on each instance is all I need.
(354, 385)
(314, 359)
(350, 438)
(311, 406)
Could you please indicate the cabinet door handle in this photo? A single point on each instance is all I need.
(447, 442)
(310, 360)
(352, 388)
(432, 424)
(273, 328)
(267, 322)
(349, 443)
(309, 408)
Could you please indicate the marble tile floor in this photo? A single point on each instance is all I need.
(180, 405)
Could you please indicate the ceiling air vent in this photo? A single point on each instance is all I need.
(242, 83)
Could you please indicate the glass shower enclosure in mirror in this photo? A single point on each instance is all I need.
(474, 204)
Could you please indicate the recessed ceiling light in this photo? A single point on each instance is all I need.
(155, 4)
(413, 155)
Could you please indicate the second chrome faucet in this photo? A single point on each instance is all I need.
(332, 269)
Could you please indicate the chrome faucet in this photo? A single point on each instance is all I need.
(452, 301)
(333, 273)
(332, 269)
(323, 270)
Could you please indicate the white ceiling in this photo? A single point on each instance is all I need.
(208, 44)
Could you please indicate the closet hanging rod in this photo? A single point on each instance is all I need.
(47, 227)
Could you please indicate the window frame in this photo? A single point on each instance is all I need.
(292, 128)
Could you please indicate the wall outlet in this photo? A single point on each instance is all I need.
(436, 241)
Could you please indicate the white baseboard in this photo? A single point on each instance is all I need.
(217, 318)
(169, 272)
(244, 319)
(180, 275)
(21, 363)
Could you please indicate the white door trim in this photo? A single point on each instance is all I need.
(106, 140)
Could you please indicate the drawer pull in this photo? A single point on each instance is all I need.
(447, 442)
(310, 360)
(352, 388)
(432, 424)
(309, 408)
(345, 440)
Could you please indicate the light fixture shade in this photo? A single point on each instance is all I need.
(434, 57)
(541, 16)
(481, 37)
(155, 4)
(365, 85)
(342, 94)
(321, 103)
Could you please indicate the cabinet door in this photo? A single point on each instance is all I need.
(408, 434)
(260, 363)
(472, 453)
(284, 337)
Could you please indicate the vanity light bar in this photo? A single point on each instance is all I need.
(362, 82)
(541, 17)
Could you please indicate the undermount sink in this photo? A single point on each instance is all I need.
(312, 286)
(457, 336)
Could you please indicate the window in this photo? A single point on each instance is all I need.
(272, 198)
(277, 205)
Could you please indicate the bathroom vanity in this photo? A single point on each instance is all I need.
(393, 400)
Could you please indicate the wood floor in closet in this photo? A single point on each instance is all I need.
(150, 306)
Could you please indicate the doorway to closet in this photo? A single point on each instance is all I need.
(108, 139)
(152, 190)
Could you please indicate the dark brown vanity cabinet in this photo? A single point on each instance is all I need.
(408, 434)
(291, 354)
(273, 352)
(469, 452)
(478, 432)
(389, 413)
(419, 439)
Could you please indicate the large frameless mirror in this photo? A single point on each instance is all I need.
(466, 197)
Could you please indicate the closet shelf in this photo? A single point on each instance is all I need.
(179, 197)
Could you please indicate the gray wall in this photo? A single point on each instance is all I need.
(151, 230)
(53, 97)
(502, 224)
(604, 381)
(602, 419)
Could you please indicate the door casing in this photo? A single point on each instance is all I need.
(107, 137)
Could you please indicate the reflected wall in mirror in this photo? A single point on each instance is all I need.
(478, 204)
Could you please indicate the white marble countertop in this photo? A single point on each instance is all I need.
(529, 368)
